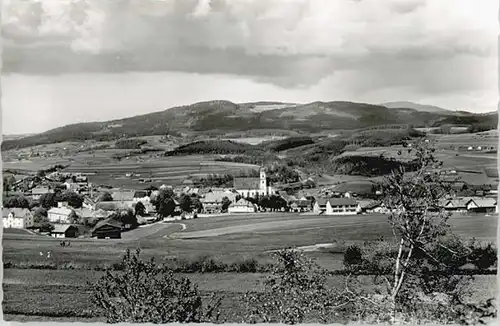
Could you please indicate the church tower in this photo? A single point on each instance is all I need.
(263, 182)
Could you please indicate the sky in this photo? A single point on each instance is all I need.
(70, 61)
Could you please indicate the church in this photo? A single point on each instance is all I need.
(250, 187)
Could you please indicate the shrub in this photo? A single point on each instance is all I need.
(295, 292)
(146, 292)
(352, 256)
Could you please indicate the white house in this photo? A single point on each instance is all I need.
(342, 206)
(212, 201)
(17, 218)
(482, 205)
(141, 196)
(60, 214)
(38, 192)
(250, 187)
(242, 206)
(319, 206)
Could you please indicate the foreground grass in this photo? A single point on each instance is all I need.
(57, 294)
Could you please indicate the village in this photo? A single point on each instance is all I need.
(67, 205)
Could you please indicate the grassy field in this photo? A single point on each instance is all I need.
(225, 237)
(56, 293)
(103, 169)
(66, 293)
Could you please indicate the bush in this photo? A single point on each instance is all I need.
(296, 292)
(352, 256)
(148, 293)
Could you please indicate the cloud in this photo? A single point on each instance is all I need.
(291, 43)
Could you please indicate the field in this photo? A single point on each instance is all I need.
(103, 169)
(67, 293)
(227, 238)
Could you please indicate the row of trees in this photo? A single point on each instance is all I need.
(414, 276)
(46, 201)
(165, 204)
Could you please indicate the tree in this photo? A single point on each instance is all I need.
(19, 201)
(126, 217)
(46, 226)
(164, 202)
(145, 292)
(225, 203)
(186, 203)
(140, 210)
(196, 204)
(422, 239)
(49, 200)
(295, 291)
(74, 200)
(106, 196)
(8, 184)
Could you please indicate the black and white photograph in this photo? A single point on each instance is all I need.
(250, 161)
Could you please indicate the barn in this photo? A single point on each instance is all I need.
(64, 231)
(107, 229)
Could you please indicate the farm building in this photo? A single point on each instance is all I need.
(107, 229)
(482, 205)
(212, 201)
(64, 231)
(320, 206)
(249, 187)
(301, 205)
(17, 218)
(38, 192)
(60, 214)
(455, 204)
(342, 206)
(242, 206)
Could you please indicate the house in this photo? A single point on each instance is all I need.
(301, 205)
(17, 218)
(455, 204)
(319, 206)
(250, 187)
(88, 203)
(60, 214)
(242, 206)
(71, 186)
(97, 216)
(38, 192)
(482, 205)
(342, 206)
(212, 201)
(107, 229)
(64, 231)
(123, 195)
(141, 196)
(114, 205)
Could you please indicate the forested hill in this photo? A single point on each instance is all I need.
(221, 117)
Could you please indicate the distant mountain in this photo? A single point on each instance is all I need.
(17, 136)
(415, 106)
(217, 118)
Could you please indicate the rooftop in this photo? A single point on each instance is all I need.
(342, 201)
(17, 212)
